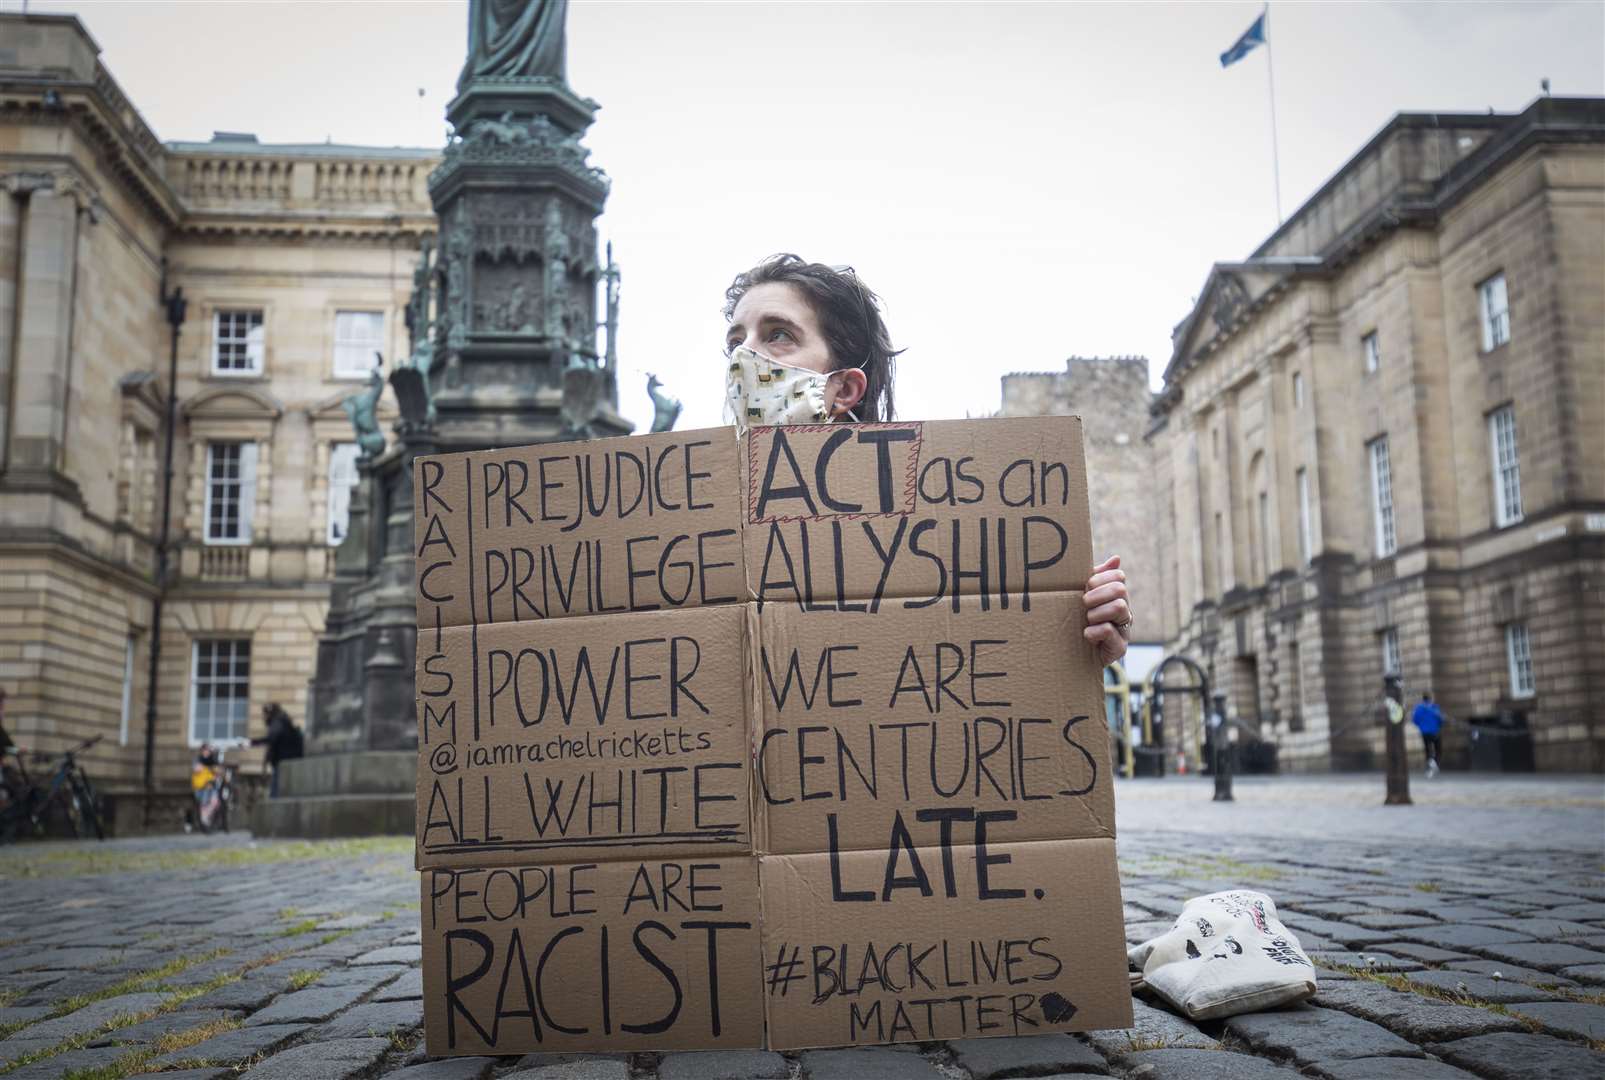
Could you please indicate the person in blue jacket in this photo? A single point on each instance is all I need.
(1429, 718)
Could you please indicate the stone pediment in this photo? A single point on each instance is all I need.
(1232, 293)
(232, 403)
(333, 406)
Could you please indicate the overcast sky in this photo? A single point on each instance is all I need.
(1019, 182)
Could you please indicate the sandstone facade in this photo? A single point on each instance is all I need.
(296, 262)
(1347, 420)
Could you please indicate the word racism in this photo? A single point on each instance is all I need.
(698, 768)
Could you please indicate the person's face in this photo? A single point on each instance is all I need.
(776, 320)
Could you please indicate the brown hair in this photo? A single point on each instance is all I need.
(848, 316)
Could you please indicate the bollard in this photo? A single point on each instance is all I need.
(1398, 758)
(1223, 765)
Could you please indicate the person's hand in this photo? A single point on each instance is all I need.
(1108, 612)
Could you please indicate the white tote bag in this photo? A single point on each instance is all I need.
(1227, 954)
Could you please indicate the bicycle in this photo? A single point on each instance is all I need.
(220, 787)
(69, 789)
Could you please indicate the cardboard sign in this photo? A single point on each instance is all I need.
(786, 741)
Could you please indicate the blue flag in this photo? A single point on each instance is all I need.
(1252, 38)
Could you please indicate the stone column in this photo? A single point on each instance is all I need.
(10, 237)
(44, 338)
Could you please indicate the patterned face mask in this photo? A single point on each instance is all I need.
(764, 392)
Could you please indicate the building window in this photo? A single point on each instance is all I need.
(237, 343)
(1371, 348)
(1392, 663)
(128, 690)
(1298, 390)
(220, 691)
(1518, 651)
(1303, 478)
(1507, 468)
(1382, 496)
(358, 336)
(1265, 535)
(342, 481)
(230, 492)
(1220, 553)
(1495, 307)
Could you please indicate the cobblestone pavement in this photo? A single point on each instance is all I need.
(1444, 952)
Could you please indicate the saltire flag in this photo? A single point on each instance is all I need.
(1252, 38)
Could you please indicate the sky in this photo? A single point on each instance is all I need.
(1019, 182)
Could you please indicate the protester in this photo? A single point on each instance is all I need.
(1429, 719)
(821, 324)
(283, 741)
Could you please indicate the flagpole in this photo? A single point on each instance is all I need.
(1270, 74)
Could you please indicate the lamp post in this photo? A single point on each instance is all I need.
(175, 307)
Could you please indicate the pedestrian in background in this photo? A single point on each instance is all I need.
(283, 741)
(1429, 719)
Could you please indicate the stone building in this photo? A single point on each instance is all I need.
(1381, 447)
(296, 263)
(1111, 395)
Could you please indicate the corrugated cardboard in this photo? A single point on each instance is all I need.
(953, 515)
(949, 942)
(874, 729)
(584, 739)
(631, 955)
(556, 530)
(863, 646)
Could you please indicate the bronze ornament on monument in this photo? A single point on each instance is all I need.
(503, 331)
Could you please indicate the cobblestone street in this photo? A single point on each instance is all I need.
(1463, 937)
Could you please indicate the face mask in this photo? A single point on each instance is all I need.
(762, 392)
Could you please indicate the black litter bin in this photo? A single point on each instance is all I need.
(1259, 757)
(1149, 761)
(1501, 743)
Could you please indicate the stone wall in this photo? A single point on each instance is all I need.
(1111, 396)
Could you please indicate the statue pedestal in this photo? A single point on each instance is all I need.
(359, 793)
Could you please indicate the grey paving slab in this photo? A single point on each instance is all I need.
(233, 1046)
(95, 1015)
(349, 922)
(392, 954)
(1203, 1065)
(1511, 971)
(378, 1018)
(1390, 920)
(1575, 1018)
(1544, 955)
(1310, 1035)
(1417, 1018)
(53, 1068)
(16, 1048)
(246, 994)
(22, 1014)
(1345, 934)
(157, 1026)
(409, 985)
(315, 1003)
(1325, 908)
(1427, 954)
(1511, 1055)
(1543, 928)
(533, 1061)
(1025, 1055)
(326, 1059)
(1368, 960)
(466, 1068)
(1586, 911)
(1152, 1028)
(1394, 1068)
(724, 1065)
(192, 1074)
(1456, 913)
(867, 1063)
(599, 1068)
(1459, 935)
(1482, 987)
(1592, 974)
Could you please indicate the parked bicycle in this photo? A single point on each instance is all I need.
(28, 807)
(213, 782)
